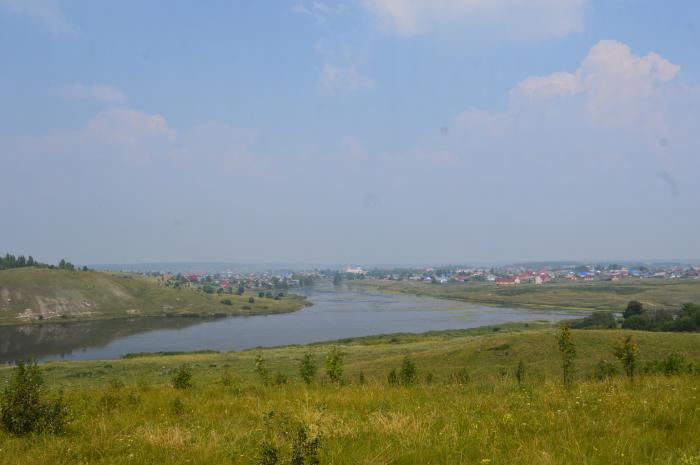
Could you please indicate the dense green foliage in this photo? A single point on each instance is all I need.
(685, 319)
(596, 320)
(23, 407)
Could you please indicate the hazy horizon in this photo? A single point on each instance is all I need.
(378, 131)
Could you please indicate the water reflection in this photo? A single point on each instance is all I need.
(337, 313)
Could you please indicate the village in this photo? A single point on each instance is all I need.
(524, 274)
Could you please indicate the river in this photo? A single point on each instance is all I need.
(337, 313)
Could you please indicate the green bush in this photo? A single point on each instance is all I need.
(334, 365)
(307, 368)
(22, 407)
(183, 377)
(674, 364)
(408, 372)
(604, 370)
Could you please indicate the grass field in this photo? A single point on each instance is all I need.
(127, 412)
(32, 295)
(592, 295)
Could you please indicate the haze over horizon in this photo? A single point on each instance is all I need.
(376, 131)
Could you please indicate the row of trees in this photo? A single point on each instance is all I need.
(635, 316)
(10, 261)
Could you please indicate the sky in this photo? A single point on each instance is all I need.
(350, 132)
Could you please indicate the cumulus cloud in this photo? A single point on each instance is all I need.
(100, 92)
(617, 88)
(46, 11)
(506, 18)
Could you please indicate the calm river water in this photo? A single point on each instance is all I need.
(336, 313)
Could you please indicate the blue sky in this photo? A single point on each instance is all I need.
(374, 131)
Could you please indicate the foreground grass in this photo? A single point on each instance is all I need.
(594, 295)
(126, 412)
(37, 295)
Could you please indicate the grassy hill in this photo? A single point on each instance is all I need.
(594, 295)
(127, 411)
(42, 295)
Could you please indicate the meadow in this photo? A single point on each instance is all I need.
(655, 294)
(465, 405)
(40, 295)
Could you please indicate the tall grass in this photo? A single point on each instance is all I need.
(490, 418)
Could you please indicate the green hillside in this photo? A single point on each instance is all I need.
(465, 406)
(596, 295)
(30, 295)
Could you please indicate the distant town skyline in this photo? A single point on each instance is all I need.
(376, 131)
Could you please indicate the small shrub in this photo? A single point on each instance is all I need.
(280, 379)
(520, 373)
(22, 408)
(268, 455)
(408, 372)
(674, 364)
(307, 367)
(361, 378)
(304, 449)
(334, 365)
(393, 377)
(251, 300)
(183, 377)
(429, 378)
(261, 369)
(605, 370)
(567, 349)
(627, 352)
(226, 301)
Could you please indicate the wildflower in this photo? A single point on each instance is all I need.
(485, 461)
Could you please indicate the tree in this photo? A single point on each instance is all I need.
(337, 279)
(334, 365)
(307, 367)
(567, 349)
(627, 352)
(634, 307)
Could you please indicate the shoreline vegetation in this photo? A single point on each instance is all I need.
(491, 395)
(33, 295)
(588, 296)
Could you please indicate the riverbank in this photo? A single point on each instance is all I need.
(40, 296)
(593, 295)
(464, 406)
(337, 313)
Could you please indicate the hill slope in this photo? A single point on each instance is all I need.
(37, 294)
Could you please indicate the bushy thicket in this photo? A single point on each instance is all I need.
(686, 319)
(24, 407)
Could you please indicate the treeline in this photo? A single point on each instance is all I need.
(635, 316)
(10, 261)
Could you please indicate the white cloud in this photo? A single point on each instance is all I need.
(46, 11)
(616, 87)
(504, 18)
(123, 134)
(343, 78)
(100, 92)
